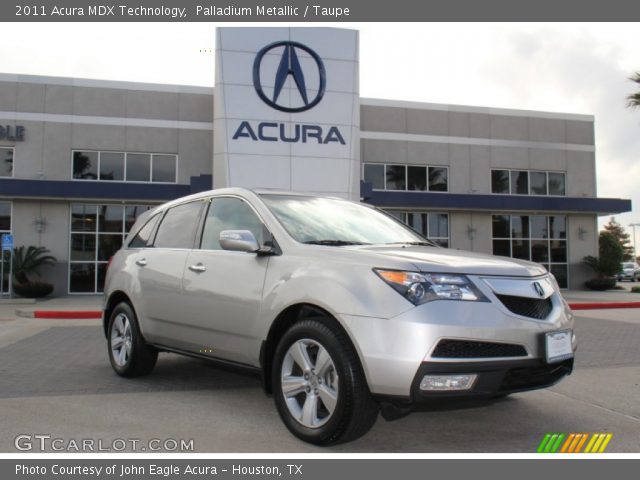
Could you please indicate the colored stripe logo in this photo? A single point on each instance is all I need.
(574, 443)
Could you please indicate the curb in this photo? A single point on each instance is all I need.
(60, 314)
(603, 305)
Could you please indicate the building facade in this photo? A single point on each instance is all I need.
(80, 159)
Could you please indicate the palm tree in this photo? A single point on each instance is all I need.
(28, 262)
(633, 100)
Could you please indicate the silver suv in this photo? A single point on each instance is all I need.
(344, 311)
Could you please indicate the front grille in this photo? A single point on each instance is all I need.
(534, 377)
(527, 307)
(468, 349)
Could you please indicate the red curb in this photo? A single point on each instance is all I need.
(603, 305)
(73, 314)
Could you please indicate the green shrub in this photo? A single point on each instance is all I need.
(635, 289)
(600, 284)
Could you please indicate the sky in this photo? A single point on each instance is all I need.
(557, 67)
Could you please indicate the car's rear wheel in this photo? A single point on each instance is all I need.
(129, 355)
(319, 387)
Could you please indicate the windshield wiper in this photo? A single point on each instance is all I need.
(334, 243)
(423, 244)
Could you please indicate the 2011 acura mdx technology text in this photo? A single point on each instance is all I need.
(342, 309)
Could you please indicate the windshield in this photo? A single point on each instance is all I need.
(628, 265)
(337, 222)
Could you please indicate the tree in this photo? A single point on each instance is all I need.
(608, 263)
(623, 238)
(633, 100)
(29, 261)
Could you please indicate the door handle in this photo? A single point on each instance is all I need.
(198, 268)
(141, 262)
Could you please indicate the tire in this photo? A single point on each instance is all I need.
(339, 406)
(129, 355)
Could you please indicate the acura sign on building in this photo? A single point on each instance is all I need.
(286, 110)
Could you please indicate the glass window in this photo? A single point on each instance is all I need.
(110, 218)
(85, 165)
(438, 225)
(138, 167)
(500, 226)
(560, 272)
(519, 226)
(540, 251)
(558, 226)
(83, 247)
(519, 182)
(229, 214)
(502, 247)
(6, 162)
(111, 166)
(418, 221)
(417, 178)
(5, 217)
(538, 183)
(499, 181)
(542, 241)
(143, 237)
(558, 251)
(82, 277)
(375, 174)
(178, 227)
(97, 232)
(520, 249)
(164, 168)
(396, 177)
(556, 183)
(539, 226)
(83, 218)
(438, 179)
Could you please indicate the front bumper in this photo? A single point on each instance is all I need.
(493, 378)
(395, 352)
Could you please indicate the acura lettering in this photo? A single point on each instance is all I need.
(274, 132)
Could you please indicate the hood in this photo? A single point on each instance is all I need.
(446, 260)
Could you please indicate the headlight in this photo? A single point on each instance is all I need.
(421, 288)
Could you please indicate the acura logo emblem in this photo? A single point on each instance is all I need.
(538, 288)
(289, 66)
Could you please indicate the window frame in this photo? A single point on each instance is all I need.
(530, 239)
(197, 230)
(96, 234)
(124, 166)
(529, 194)
(13, 161)
(406, 176)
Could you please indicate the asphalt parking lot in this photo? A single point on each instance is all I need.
(55, 379)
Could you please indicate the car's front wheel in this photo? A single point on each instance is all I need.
(319, 387)
(130, 356)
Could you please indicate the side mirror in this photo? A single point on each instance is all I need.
(239, 241)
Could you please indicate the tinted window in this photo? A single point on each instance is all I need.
(111, 166)
(228, 213)
(519, 182)
(556, 183)
(417, 177)
(500, 181)
(178, 227)
(143, 237)
(138, 167)
(396, 177)
(438, 181)
(538, 183)
(6, 162)
(164, 168)
(85, 165)
(375, 175)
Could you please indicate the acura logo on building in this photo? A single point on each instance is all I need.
(538, 289)
(289, 66)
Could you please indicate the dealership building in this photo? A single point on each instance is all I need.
(80, 159)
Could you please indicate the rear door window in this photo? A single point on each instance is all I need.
(179, 226)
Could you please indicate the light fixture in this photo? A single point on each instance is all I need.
(582, 233)
(40, 224)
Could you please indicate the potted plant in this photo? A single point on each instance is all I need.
(28, 261)
(607, 264)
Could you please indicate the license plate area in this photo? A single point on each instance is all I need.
(558, 346)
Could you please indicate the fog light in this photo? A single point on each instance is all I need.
(447, 382)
